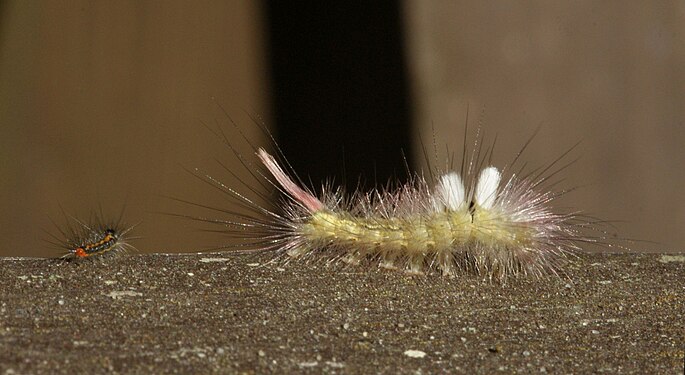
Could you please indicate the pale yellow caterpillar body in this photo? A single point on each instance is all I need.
(485, 221)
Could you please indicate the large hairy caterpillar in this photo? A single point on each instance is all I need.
(484, 220)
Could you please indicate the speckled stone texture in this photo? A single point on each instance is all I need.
(216, 313)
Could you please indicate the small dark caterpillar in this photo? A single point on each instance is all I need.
(95, 239)
(106, 244)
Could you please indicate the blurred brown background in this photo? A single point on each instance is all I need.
(102, 103)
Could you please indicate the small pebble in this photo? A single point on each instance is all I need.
(414, 353)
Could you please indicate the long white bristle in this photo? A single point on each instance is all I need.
(486, 190)
(449, 192)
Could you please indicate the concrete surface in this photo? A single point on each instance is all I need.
(215, 313)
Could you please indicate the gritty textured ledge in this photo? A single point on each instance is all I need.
(213, 313)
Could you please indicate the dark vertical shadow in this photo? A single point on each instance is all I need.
(339, 89)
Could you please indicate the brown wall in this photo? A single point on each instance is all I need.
(609, 74)
(102, 102)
